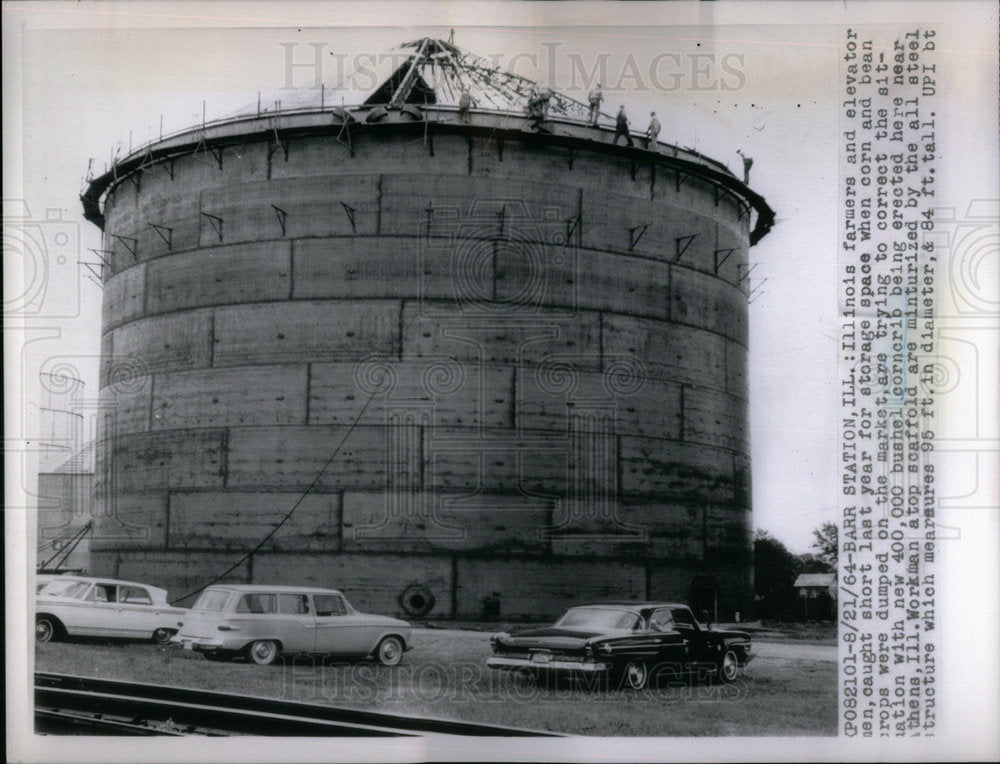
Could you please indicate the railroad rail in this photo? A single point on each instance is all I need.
(89, 706)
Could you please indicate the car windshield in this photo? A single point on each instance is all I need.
(72, 589)
(213, 599)
(598, 618)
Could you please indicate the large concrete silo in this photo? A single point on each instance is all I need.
(449, 363)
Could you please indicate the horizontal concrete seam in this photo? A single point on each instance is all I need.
(489, 366)
(419, 239)
(497, 442)
(440, 555)
(210, 309)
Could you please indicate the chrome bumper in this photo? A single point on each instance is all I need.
(513, 664)
(201, 644)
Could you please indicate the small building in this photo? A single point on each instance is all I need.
(818, 592)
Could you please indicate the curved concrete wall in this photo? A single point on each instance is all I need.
(509, 369)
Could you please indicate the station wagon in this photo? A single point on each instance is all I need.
(261, 622)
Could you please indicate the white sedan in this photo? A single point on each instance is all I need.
(104, 607)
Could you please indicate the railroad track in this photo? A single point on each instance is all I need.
(88, 706)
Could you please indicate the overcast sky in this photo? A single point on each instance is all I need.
(769, 90)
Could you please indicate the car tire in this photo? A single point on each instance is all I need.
(389, 651)
(162, 635)
(634, 676)
(728, 667)
(46, 629)
(263, 652)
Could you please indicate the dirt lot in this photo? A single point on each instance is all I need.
(789, 689)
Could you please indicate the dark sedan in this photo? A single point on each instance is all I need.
(626, 645)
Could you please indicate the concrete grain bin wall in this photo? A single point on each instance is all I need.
(494, 372)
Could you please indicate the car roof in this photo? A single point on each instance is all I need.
(109, 582)
(277, 589)
(633, 605)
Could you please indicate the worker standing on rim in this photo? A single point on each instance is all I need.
(621, 126)
(595, 97)
(464, 104)
(747, 164)
(538, 106)
(652, 132)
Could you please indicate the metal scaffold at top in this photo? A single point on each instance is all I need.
(439, 72)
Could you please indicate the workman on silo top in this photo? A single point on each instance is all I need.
(621, 126)
(538, 104)
(595, 97)
(534, 105)
(652, 131)
(464, 104)
(545, 96)
(747, 164)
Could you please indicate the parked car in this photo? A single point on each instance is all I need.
(626, 645)
(103, 607)
(261, 622)
(44, 579)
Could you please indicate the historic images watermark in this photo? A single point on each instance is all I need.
(42, 269)
(315, 65)
(318, 679)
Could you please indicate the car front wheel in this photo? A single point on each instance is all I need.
(390, 651)
(729, 667)
(45, 630)
(162, 636)
(634, 676)
(263, 652)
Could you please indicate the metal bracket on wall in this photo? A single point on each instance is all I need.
(503, 218)
(721, 193)
(103, 254)
(344, 134)
(681, 244)
(572, 226)
(680, 178)
(756, 290)
(749, 270)
(273, 146)
(573, 154)
(719, 263)
(350, 215)
(275, 122)
(130, 247)
(282, 215)
(167, 237)
(216, 154)
(148, 163)
(104, 264)
(633, 237)
(216, 222)
(96, 275)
